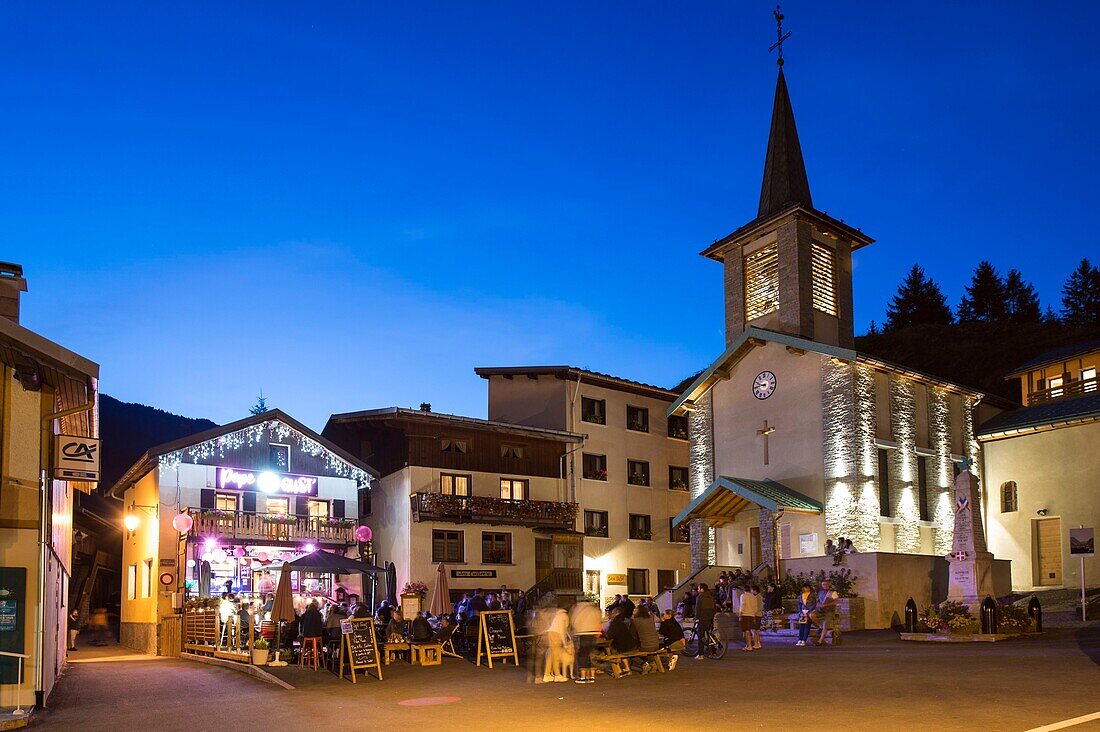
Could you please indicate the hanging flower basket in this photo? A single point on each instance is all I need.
(278, 518)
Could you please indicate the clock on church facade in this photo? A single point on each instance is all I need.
(763, 386)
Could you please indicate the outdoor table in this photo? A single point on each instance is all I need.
(391, 650)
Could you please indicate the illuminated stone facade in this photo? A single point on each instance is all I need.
(701, 475)
(904, 497)
(940, 471)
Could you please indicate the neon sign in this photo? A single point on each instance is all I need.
(267, 481)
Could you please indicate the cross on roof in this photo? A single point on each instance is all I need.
(779, 35)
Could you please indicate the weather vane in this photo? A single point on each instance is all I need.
(779, 35)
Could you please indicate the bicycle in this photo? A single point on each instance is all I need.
(714, 646)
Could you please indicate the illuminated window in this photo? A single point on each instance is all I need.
(317, 509)
(823, 272)
(131, 582)
(147, 585)
(515, 490)
(1009, 502)
(1088, 376)
(280, 506)
(762, 282)
(1056, 387)
(454, 485)
(225, 502)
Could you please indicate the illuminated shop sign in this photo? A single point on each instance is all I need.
(267, 481)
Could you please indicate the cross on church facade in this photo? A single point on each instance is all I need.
(765, 431)
(779, 35)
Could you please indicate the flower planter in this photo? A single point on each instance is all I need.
(259, 656)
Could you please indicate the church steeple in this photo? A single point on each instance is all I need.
(785, 180)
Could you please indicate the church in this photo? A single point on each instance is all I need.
(796, 437)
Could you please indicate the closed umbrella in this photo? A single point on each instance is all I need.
(441, 596)
(391, 584)
(204, 579)
(282, 609)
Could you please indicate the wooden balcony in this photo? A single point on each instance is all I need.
(1067, 390)
(496, 511)
(256, 527)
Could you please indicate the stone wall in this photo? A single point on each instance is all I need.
(141, 637)
(701, 476)
(904, 498)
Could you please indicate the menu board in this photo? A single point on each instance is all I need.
(359, 647)
(496, 637)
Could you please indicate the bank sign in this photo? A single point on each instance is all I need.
(267, 481)
(76, 458)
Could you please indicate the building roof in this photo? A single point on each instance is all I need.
(1055, 413)
(572, 373)
(785, 180)
(374, 415)
(73, 377)
(1056, 355)
(754, 337)
(149, 460)
(726, 497)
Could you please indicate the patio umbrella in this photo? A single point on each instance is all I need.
(440, 597)
(282, 609)
(204, 579)
(391, 584)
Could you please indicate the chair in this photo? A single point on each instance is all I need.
(427, 653)
(446, 642)
(390, 652)
(311, 647)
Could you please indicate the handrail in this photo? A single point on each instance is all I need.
(1067, 389)
(15, 655)
(249, 525)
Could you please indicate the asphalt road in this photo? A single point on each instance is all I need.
(872, 682)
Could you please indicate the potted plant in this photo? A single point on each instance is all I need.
(259, 652)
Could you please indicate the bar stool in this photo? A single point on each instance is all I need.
(311, 646)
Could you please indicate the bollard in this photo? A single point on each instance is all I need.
(910, 616)
(1035, 610)
(989, 616)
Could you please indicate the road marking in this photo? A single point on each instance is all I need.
(1067, 723)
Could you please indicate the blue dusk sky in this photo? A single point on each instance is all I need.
(351, 205)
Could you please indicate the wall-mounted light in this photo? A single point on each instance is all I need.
(131, 520)
(1042, 512)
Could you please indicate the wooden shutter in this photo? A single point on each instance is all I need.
(206, 498)
(301, 505)
(337, 508)
(248, 502)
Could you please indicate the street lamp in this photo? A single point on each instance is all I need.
(131, 522)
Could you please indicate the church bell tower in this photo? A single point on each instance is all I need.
(790, 268)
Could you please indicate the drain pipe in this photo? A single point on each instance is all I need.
(39, 614)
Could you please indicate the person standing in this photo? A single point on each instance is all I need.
(807, 603)
(584, 620)
(704, 616)
(825, 613)
(758, 617)
(74, 628)
(750, 605)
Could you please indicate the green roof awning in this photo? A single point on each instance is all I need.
(726, 497)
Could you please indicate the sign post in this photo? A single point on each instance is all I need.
(1082, 543)
(496, 638)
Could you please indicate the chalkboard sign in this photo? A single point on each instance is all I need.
(359, 647)
(496, 637)
(13, 594)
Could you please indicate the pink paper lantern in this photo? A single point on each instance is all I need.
(238, 552)
(182, 523)
(262, 556)
(363, 533)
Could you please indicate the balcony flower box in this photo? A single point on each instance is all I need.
(340, 523)
(638, 479)
(596, 475)
(215, 513)
(642, 535)
(678, 434)
(598, 531)
(679, 485)
(278, 518)
(593, 418)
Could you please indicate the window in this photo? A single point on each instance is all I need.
(225, 502)
(515, 490)
(884, 482)
(496, 547)
(594, 466)
(922, 486)
(448, 546)
(278, 457)
(454, 485)
(511, 451)
(761, 272)
(677, 478)
(1009, 502)
(637, 581)
(454, 445)
(1088, 376)
(317, 509)
(823, 274)
(666, 579)
(593, 410)
(279, 506)
(1056, 387)
(637, 419)
(639, 527)
(595, 523)
(678, 427)
(678, 534)
(131, 582)
(147, 579)
(637, 472)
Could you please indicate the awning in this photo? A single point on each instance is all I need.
(324, 562)
(726, 497)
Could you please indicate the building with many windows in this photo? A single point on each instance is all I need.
(1042, 469)
(629, 477)
(487, 499)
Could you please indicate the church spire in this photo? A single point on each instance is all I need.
(785, 179)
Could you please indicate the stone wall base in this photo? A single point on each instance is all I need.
(141, 637)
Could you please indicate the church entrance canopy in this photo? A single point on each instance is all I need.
(726, 497)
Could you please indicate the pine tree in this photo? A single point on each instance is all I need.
(984, 300)
(260, 406)
(1021, 299)
(1081, 296)
(873, 330)
(919, 301)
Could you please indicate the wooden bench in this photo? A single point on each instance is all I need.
(833, 634)
(390, 652)
(619, 663)
(427, 654)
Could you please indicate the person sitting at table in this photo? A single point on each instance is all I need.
(446, 629)
(621, 634)
(396, 628)
(336, 613)
(420, 631)
(384, 612)
(311, 624)
(360, 610)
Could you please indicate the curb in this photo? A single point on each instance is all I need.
(13, 722)
(249, 670)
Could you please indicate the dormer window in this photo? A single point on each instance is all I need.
(279, 457)
(511, 451)
(761, 272)
(454, 446)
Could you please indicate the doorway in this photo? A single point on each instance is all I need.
(1048, 551)
(544, 563)
(755, 556)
